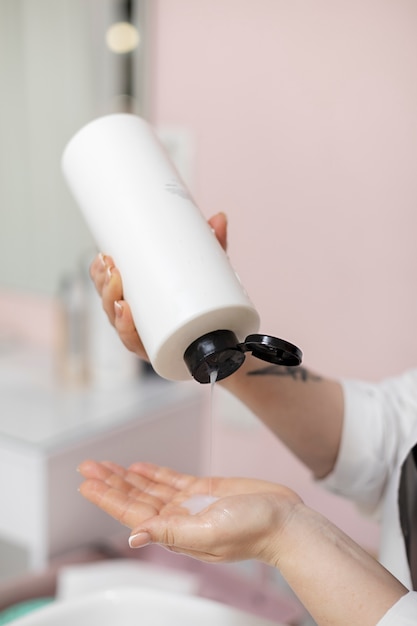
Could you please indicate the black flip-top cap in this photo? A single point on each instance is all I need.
(220, 352)
(272, 350)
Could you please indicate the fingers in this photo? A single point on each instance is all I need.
(108, 283)
(97, 271)
(128, 510)
(125, 326)
(129, 482)
(170, 478)
(129, 498)
(112, 291)
(138, 494)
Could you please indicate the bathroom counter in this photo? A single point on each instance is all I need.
(50, 416)
(46, 430)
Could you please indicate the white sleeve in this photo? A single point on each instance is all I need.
(403, 613)
(377, 421)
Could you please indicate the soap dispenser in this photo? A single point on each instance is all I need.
(189, 307)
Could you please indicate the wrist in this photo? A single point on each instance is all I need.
(319, 560)
(275, 545)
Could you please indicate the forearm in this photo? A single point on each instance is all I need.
(304, 410)
(338, 582)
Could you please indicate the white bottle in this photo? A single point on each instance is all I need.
(187, 303)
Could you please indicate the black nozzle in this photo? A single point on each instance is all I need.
(215, 352)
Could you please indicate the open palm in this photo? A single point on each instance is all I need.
(239, 522)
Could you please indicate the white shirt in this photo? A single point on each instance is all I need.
(403, 613)
(379, 430)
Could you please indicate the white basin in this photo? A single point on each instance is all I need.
(139, 607)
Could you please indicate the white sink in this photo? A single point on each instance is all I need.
(139, 607)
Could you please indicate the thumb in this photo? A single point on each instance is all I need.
(182, 533)
(140, 539)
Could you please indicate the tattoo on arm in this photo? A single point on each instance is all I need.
(296, 373)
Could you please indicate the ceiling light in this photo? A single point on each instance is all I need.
(122, 37)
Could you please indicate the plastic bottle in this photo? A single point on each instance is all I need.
(188, 304)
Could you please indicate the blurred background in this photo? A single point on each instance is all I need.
(297, 119)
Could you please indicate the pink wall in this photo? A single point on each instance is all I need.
(304, 120)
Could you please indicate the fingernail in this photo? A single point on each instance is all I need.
(102, 259)
(140, 539)
(109, 274)
(118, 308)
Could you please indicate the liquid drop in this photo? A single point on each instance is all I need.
(198, 503)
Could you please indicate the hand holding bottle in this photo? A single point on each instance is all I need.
(109, 285)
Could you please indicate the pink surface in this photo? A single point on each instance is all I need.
(303, 116)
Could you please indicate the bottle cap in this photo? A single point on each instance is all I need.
(221, 352)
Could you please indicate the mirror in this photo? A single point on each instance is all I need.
(62, 63)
